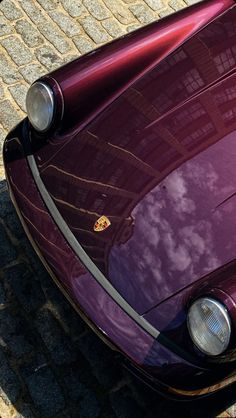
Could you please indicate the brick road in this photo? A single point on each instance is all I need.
(51, 365)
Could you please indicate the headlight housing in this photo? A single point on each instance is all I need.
(40, 105)
(209, 326)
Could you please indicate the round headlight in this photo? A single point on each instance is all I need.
(209, 326)
(40, 106)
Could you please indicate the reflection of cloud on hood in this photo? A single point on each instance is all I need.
(177, 254)
(202, 174)
(177, 192)
(180, 233)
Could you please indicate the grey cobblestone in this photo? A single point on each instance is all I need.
(74, 8)
(166, 12)
(5, 28)
(113, 28)
(33, 11)
(143, 13)
(14, 334)
(8, 71)
(48, 398)
(29, 33)
(95, 30)
(25, 287)
(120, 11)
(2, 134)
(176, 5)
(32, 71)
(124, 405)
(10, 10)
(9, 116)
(68, 25)
(10, 386)
(48, 57)
(17, 50)
(1, 92)
(97, 9)
(19, 92)
(2, 295)
(155, 4)
(54, 36)
(84, 44)
(54, 338)
(48, 4)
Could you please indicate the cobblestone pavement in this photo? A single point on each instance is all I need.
(51, 365)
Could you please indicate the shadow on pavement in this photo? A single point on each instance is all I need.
(51, 364)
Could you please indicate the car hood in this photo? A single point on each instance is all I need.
(159, 162)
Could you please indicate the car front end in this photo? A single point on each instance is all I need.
(129, 200)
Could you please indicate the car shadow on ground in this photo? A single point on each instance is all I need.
(51, 364)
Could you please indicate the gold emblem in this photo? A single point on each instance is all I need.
(101, 224)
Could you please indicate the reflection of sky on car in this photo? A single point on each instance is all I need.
(180, 234)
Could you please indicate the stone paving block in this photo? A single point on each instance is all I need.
(143, 13)
(45, 392)
(113, 28)
(13, 224)
(19, 92)
(25, 287)
(48, 57)
(2, 295)
(54, 36)
(125, 406)
(97, 9)
(6, 208)
(120, 12)
(83, 44)
(14, 334)
(1, 91)
(32, 72)
(25, 412)
(17, 50)
(89, 406)
(7, 251)
(68, 25)
(10, 10)
(74, 8)
(10, 387)
(5, 28)
(176, 5)
(8, 70)
(61, 308)
(55, 339)
(33, 10)
(166, 12)
(131, 28)
(48, 4)
(29, 33)
(9, 116)
(95, 30)
(155, 4)
(100, 358)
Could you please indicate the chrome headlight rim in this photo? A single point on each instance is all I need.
(223, 311)
(51, 102)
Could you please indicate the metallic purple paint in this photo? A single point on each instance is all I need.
(156, 154)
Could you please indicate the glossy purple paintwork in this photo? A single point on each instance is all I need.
(121, 164)
(147, 139)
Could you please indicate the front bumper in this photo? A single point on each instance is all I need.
(155, 361)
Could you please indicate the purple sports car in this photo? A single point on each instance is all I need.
(124, 178)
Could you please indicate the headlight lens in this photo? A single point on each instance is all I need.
(40, 106)
(209, 326)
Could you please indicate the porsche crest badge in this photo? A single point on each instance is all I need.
(101, 224)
